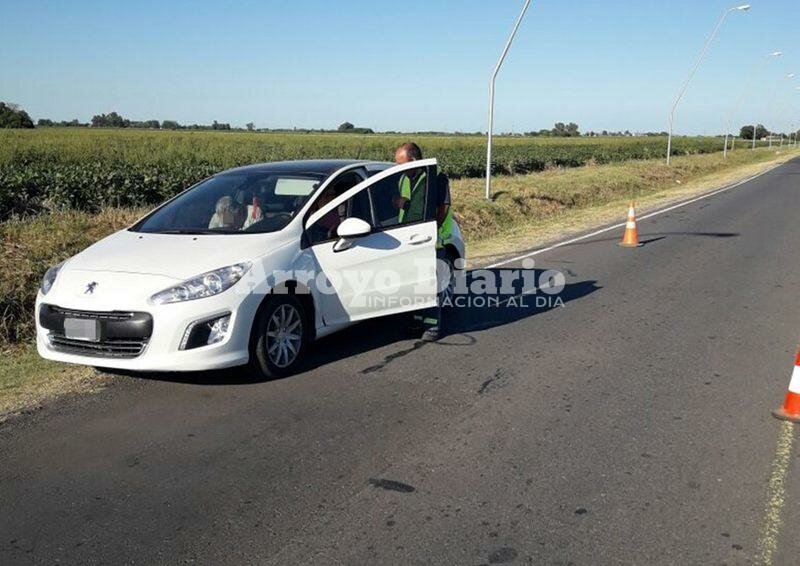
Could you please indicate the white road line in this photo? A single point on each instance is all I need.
(621, 224)
(776, 501)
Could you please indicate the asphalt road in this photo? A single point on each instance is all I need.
(630, 425)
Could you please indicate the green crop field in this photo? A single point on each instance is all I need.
(51, 168)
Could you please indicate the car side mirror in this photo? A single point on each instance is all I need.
(353, 228)
(349, 230)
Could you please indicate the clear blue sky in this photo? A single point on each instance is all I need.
(404, 65)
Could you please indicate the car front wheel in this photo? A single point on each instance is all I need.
(281, 337)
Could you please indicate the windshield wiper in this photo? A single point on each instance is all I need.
(186, 232)
(197, 232)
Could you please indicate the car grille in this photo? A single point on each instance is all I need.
(111, 348)
(122, 334)
(69, 313)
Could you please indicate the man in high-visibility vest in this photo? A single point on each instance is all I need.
(410, 200)
(411, 204)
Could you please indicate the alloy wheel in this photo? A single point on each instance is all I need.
(284, 335)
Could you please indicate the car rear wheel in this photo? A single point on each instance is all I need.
(281, 337)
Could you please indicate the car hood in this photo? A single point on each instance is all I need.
(176, 256)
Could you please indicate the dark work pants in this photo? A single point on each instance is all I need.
(433, 317)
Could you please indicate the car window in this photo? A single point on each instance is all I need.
(294, 187)
(234, 203)
(400, 198)
(358, 206)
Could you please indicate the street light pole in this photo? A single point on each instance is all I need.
(685, 86)
(491, 99)
(796, 130)
(755, 126)
(744, 93)
(785, 114)
(790, 76)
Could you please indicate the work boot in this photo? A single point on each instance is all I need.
(432, 334)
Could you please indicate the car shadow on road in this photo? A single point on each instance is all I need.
(471, 312)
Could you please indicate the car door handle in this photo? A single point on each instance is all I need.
(418, 239)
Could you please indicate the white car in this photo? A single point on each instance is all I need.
(248, 267)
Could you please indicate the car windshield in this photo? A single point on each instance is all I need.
(234, 203)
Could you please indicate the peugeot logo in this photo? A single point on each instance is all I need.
(90, 288)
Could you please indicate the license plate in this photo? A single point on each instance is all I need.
(82, 329)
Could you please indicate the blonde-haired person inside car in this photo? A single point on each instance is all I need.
(224, 216)
(410, 202)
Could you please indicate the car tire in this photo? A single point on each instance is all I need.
(281, 337)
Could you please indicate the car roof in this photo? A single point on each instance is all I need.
(325, 167)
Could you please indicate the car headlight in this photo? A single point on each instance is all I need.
(50, 278)
(205, 285)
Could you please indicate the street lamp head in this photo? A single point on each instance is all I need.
(775, 54)
(791, 76)
(743, 8)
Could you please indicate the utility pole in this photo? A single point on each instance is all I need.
(761, 64)
(491, 99)
(685, 86)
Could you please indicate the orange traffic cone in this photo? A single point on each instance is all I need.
(631, 237)
(790, 410)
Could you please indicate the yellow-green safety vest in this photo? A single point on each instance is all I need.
(416, 208)
(446, 229)
(415, 198)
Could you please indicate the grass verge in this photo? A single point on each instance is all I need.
(526, 211)
(26, 380)
(29, 247)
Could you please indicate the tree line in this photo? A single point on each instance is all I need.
(114, 120)
(13, 116)
(572, 130)
(762, 132)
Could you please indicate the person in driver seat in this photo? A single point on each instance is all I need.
(254, 213)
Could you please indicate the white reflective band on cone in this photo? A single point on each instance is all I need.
(630, 225)
(794, 384)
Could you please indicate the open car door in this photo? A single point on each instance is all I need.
(375, 245)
